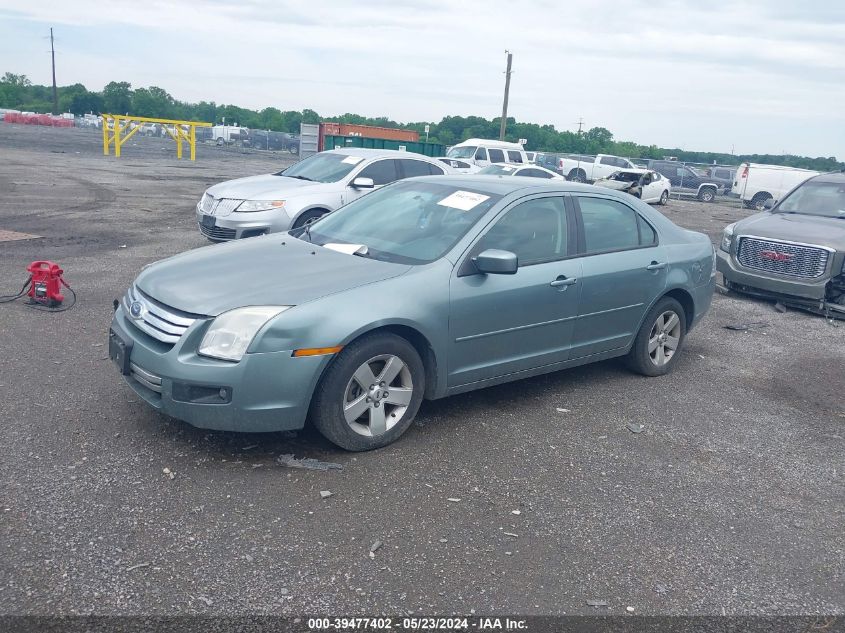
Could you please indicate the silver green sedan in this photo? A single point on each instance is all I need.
(426, 288)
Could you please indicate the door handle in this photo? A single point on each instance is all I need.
(563, 281)
(656, 266)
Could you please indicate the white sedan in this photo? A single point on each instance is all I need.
(460, 166)
(647, 185)
(532, 171)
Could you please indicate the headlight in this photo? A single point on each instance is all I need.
(250, 206)
(727, 238)
(231, 333)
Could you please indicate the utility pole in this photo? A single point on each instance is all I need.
(55, 91)
(580, 124)
(505, 104)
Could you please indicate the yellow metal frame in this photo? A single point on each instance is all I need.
(114, 125)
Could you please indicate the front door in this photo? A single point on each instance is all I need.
(623, 271)
(383, 172)
(502, 324)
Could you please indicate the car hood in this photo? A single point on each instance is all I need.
(273, 270)
(618, 185)
(807, 229)
(265, 187)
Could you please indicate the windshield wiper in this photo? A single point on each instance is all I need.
(302, 178)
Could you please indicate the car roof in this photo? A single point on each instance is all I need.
(377, 153)
(503, 185)
(836, 177)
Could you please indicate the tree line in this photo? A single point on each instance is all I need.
(119, 97)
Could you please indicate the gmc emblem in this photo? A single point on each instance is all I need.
(776, 256)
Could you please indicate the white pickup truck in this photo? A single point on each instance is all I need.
(580, 168)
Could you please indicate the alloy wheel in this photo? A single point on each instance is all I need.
(664, 338)
(377, 395)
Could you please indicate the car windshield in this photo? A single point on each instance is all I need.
(466, 151)
(322, 167)
(497, 170)
(626, 176)
(410, 222)
(825, 199)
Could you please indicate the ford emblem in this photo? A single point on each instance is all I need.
(136, 310)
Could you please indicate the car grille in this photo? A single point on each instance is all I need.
(162, 323)
(218, 206)
(782, 258)
(217, 232)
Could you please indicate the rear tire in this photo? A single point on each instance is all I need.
(707, 194)
(358, 416)
(759, 200)
(309, 217)
(660, 339)
(577, 175)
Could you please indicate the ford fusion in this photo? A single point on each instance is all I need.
(426, 288)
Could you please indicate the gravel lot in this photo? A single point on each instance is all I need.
(730, 501)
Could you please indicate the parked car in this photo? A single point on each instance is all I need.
(686, 182)
(549, 161)
(722, 176)
(795, 250)
(273, 141)
(756, 184)
(532, 157)
(531, 171)
(228, 134)
(460, 166)
(645, 184)
(426, 288)
(483, 152)
(304, 192)
(585, 168)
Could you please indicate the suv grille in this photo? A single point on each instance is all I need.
(782, 258)
(217, 232)
(162, 323)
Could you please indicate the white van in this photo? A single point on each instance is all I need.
(483, 152)
(755, 183)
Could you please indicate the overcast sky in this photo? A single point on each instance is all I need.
(759, 76)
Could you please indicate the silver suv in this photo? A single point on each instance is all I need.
(300, 194)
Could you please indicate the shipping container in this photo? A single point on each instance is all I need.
(339, 142)
(328, 128)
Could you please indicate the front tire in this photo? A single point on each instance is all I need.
(577, 175)
(309, 217)
(371, 392)
(660, 339)
(707, 194)
(758, 202)
(664, 197)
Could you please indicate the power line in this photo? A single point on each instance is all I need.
(505, 104)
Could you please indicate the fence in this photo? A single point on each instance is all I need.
(37, 119)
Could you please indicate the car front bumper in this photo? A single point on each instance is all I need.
(263, 392)
(806, 289)
(236, 226)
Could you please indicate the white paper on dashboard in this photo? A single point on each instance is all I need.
(463, 200)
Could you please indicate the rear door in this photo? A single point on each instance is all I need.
(503, 324)
(623, 270)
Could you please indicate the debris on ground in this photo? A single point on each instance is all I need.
(375, 547)
(453, 499)
(780, 307)
(169, 473)
(722, 290)
(208, 601)
(629, 609)
(660, 588)
(309, 463)
(325, 494)
(443, 540)
(744, 327)
(562, 410)
(635, 428)
(511, 534)
(516, 512)
(138, 566)
(596, 603)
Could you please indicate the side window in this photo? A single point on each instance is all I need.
(535, 230)
(534, 173)
(608, 225)
(383, 172)
(621, 162)
(608, 160)
(514, 157)
(411, 168)
(648, 236)
(481, 154)
(497, 156)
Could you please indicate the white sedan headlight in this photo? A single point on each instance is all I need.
(727, 238)
(231, 333)
(250, 206)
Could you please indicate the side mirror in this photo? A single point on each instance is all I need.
(496, 262)
(769, 203)
(363, 183)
